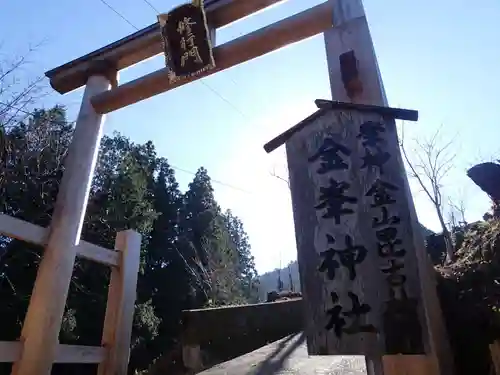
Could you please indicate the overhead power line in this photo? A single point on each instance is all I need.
(204, 83)
(173, 166)
(152, 6)
(224, 99)
(119, 14)
(213, 180)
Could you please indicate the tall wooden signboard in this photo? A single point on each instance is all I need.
(355, 231)
(355, 245)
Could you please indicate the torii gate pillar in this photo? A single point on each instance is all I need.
(43, 319)
(351, 33)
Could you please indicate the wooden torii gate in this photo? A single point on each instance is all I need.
(97, 71)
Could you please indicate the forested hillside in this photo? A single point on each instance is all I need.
(193, 254)
(269, 280)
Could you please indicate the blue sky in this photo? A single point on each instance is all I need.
(439, 57)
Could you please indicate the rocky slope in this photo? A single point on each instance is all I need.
(469, 290)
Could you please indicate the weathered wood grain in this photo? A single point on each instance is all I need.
(121, 303)
(312, 229)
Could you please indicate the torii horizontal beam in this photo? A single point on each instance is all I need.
(146, 43)
(245, 48)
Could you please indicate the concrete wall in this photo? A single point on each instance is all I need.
(212, 336)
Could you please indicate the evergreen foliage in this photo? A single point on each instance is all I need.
(193, 255)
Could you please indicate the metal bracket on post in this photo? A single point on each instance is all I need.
(350, 53)
(350, 74)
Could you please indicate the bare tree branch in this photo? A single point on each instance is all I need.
(414, 172)
(433, 163)
(458, 210)
(17, 90)
(285, 180)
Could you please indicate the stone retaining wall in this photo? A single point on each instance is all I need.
(212, 336)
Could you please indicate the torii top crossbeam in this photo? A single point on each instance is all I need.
(147, 43)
